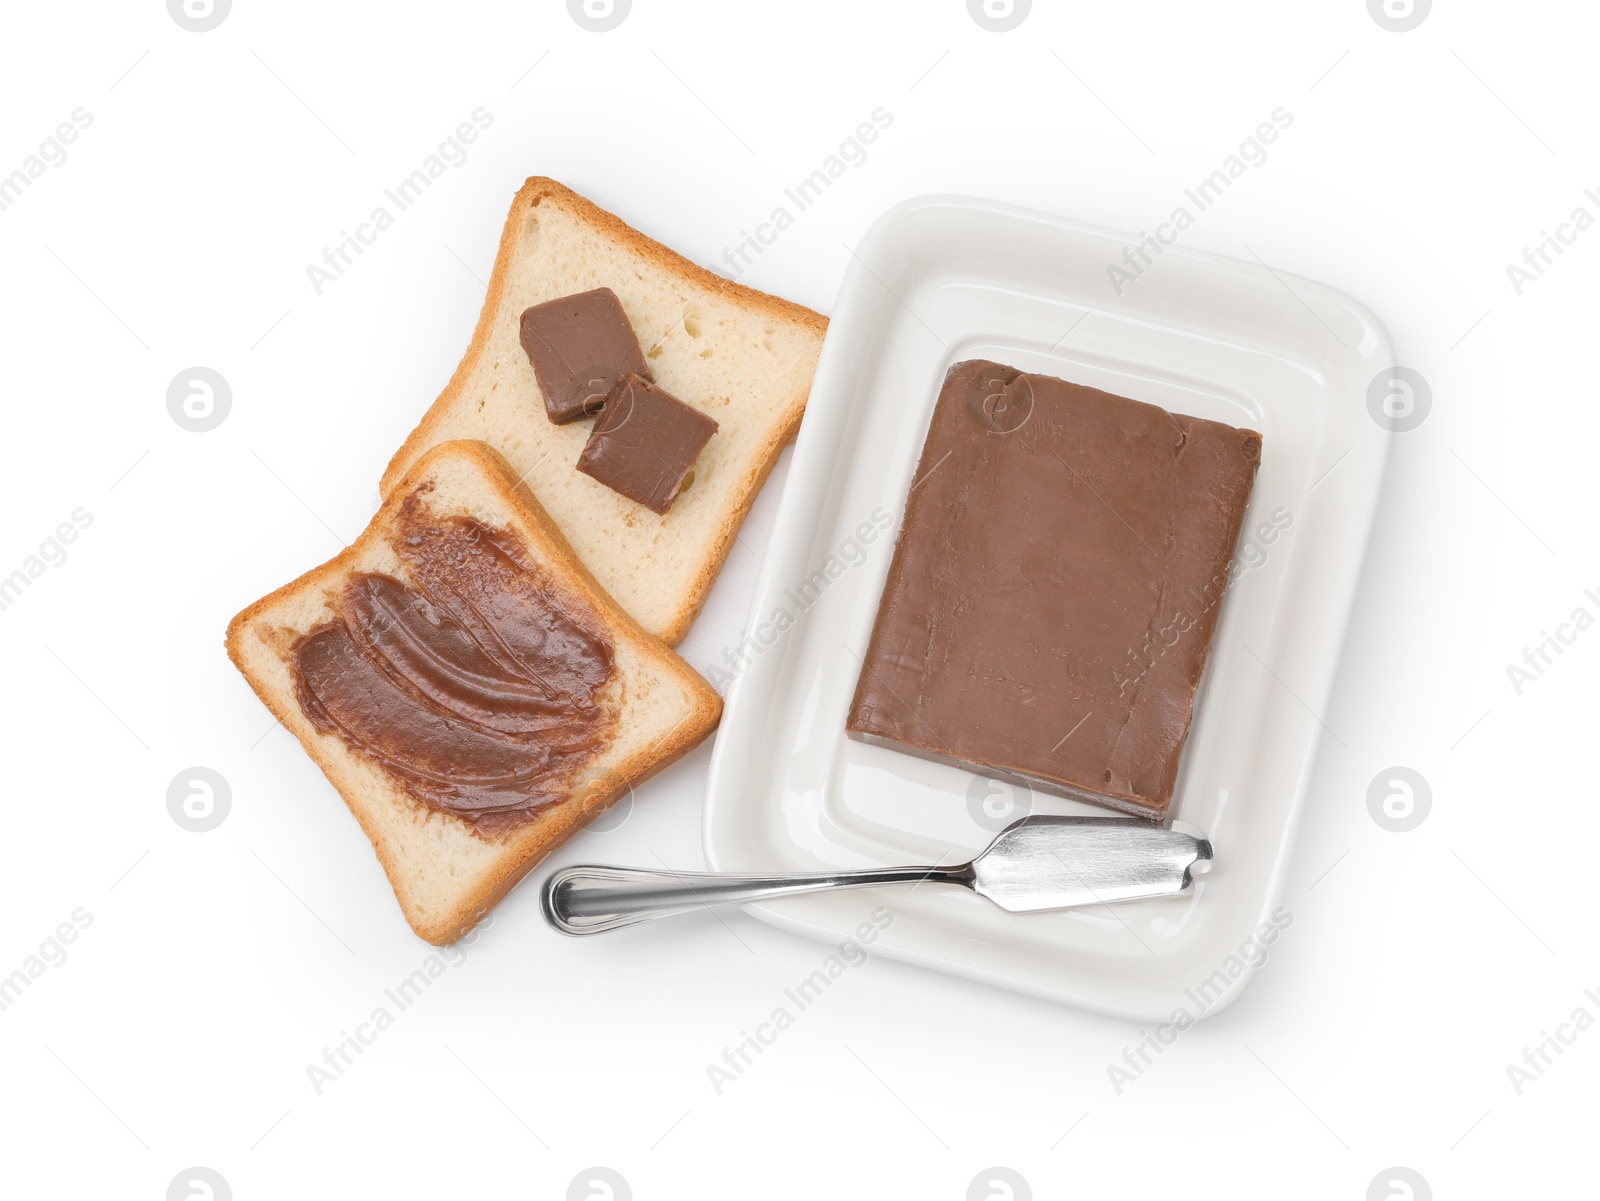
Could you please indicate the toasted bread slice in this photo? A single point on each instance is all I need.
(448, 870)
(742, 357)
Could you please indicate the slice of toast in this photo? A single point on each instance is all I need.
(742, 357)
(449, 867)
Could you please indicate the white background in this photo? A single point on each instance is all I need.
(219, 965)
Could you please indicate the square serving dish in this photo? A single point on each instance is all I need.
(943, 279)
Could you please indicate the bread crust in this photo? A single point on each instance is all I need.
(538, 190)
(521, 848)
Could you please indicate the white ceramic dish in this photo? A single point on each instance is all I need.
(942, 279)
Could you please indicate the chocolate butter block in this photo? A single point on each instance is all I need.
(1055, 587)
(645, 443)
(580, 347)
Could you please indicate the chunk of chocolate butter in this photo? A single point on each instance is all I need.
(1055, 587)
(580, 347)
(645, 443)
